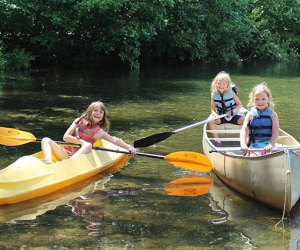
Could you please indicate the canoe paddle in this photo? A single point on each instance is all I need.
(155, 138)
(189, 160)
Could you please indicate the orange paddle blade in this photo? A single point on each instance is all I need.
(191, 186)
(14, 137)
(190, 160)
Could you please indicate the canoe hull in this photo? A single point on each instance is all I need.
(29, 177)
(272, 179)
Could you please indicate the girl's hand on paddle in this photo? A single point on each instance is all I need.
(132, 150)
(229, 114)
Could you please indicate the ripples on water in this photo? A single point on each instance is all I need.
(147, 204)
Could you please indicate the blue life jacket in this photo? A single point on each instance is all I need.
(261, 125)
(224, 102)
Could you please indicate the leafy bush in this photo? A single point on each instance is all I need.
(19, 59)
(2, 59)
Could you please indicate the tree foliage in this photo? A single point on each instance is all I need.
(278, 28)
(133, 31)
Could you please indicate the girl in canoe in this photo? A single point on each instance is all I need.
(261, 124)
(93, 125)
(224, 100)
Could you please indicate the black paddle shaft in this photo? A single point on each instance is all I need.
(152, 139)
(127, 152)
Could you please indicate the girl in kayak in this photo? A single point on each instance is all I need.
(261, 124)
(93, 125)
(224, 100)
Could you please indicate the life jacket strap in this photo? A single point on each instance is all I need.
(78, 129)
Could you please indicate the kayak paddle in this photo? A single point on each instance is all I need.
(14, 137)
(155, 138)
(185, 159)
(189, 160)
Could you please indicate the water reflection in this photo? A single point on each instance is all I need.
(221, 212)
(91, 206)
(195, 185)
(189, 186)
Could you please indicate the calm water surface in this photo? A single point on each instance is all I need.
(132, 208)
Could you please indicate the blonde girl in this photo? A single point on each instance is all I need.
(261, 124)
(224, 100)
(93, 125)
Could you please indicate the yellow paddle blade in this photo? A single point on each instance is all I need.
(190, 160)
(14, 137)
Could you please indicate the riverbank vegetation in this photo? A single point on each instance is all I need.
(132, 32)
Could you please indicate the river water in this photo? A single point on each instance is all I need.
(135, 207)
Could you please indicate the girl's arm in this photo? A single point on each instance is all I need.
(68, 136)
(275, 132)
(275, 129)
(213, 107)
(238, 103)
(119, 142)
(244, 133)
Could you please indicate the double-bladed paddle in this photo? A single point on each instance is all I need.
(189, 160)
(155, 138)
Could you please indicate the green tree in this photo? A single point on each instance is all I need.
(133, 31)
(278, 29)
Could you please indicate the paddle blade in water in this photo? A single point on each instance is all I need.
(190, 186)
(14, 137)
(152, 139)
(190, 160)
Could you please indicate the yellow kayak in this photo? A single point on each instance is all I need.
(29, 177)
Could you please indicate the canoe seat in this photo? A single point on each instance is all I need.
(224, 131)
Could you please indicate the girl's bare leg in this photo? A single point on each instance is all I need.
(85, 148)
(212, 126)
(50, 147)
(240, 121)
